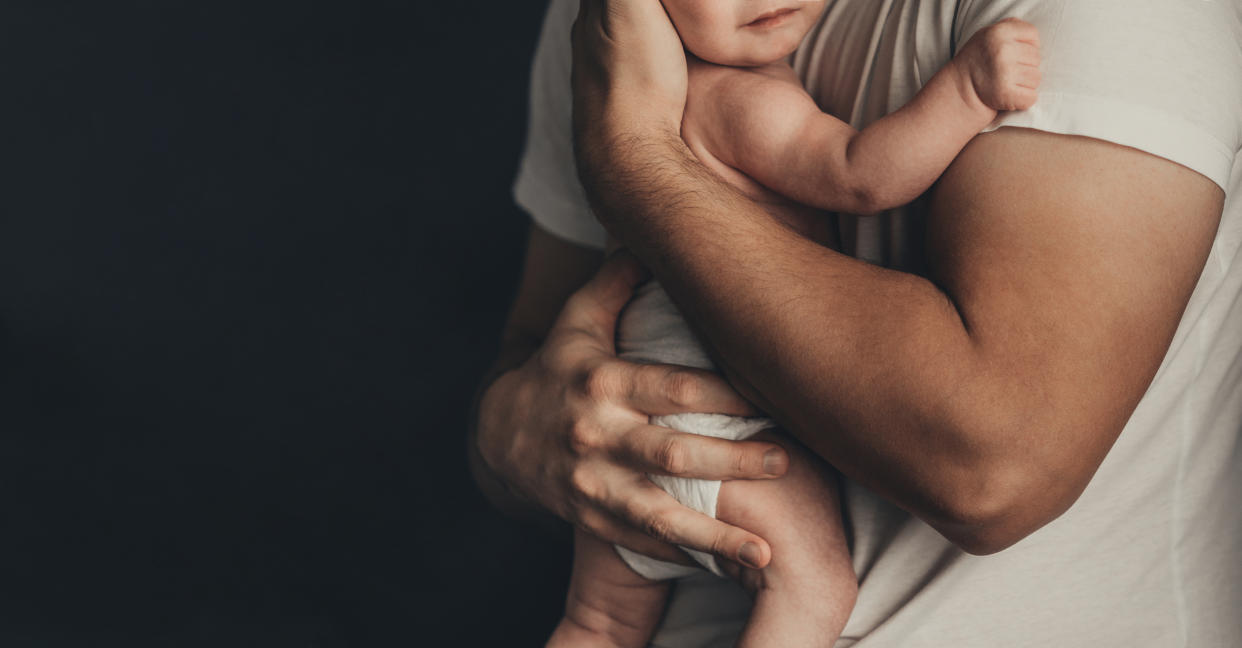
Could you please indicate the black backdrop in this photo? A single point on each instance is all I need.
(253, 257)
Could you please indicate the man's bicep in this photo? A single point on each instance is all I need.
(1070, 261)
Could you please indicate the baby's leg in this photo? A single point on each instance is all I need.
(805, 594)
(608, 604)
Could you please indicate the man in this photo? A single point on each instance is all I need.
(1057, 383)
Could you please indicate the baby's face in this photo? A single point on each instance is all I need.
(743, 32)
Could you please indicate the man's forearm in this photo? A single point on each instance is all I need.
(860, 362)
(985, 407)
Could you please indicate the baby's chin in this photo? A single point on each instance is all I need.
(751, 49)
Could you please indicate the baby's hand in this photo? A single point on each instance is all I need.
(1002, 64)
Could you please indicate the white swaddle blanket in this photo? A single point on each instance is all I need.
(651, 330)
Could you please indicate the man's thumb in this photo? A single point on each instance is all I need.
(598, 303)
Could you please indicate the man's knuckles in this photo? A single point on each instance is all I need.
(683, 389)
(594, 523)
(672, 456)
(585, 437)
(584, 484)
(659, 525)
(747, 461)
(726, 541)
(604, 381)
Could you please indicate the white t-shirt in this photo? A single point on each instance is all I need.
(1151, 553)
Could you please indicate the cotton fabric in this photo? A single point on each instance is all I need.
(1151, 553)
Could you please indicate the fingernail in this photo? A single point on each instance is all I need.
(750, 555)
(774, 462)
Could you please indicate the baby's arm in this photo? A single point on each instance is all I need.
(773, 132)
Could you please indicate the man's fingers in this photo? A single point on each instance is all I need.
(596, 305)
(658, 515)
(609, 529)
(670, 389)
(624, 14)
(659, 450)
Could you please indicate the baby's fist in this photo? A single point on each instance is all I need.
(1002, 61)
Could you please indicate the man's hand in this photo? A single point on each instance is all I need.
(568, 430)
(629, 72)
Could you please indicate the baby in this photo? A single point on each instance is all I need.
(748, 119)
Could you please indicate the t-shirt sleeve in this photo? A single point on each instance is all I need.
(547, 184)
(1162, 76)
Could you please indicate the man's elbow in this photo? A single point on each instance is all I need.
(998, 505)
(982, 537)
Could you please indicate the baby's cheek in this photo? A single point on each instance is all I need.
(706, 27)
(709, 45)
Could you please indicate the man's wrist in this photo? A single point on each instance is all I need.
(619, 132)
(480, 451)
(621, 155)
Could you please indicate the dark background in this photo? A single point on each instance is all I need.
(253, 258)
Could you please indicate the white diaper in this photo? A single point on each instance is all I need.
(651, 330)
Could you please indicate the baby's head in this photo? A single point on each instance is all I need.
(743, 32)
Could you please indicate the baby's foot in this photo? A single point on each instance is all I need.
(804, 596)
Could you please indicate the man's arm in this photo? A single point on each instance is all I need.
(983, 402)
(551, 271)
(562, 425)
